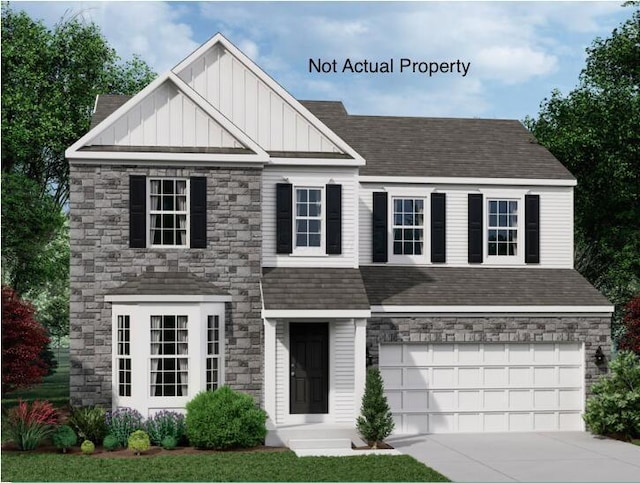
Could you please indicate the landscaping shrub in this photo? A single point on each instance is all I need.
(169, 442)
(614, 408)
(139, 442)
(64, 437)
(29, 425)
(87, 447)
(89, 422)
(225, 419)
(110, 443)
(122, 423)
(375, 422)
(163, 424)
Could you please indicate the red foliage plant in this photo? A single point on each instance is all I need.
(23, 339)
(631, 338)
(28, 426)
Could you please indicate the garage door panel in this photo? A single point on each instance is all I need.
(493, 387)
(469, 400)
(469, 377)
(415, 401)
(469, 354)
(495, 400)
(545, 399)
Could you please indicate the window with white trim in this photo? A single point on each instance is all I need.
(308, 218)
(502, 227)
(213, 353)
(169, 351)
(123, 358)
(168, 212)
(408, 226)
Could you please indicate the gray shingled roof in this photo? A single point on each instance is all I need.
(313, 289)
(106, 104)
(167, 283)
(388, 285)
(424, 146)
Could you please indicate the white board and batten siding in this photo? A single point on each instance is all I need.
(166, 117)
(320, 177)
(233, 89)
(556, 222)
(493, 387)
(341, 374)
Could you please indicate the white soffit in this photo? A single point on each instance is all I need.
(203, 71)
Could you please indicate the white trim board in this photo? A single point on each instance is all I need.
(485, 309)
(167, 298)
(465, 180)
(315, 314)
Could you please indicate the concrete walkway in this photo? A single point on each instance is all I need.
(559, 456)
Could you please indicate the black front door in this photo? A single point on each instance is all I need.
(309, 364)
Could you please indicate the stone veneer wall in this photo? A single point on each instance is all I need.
(101, 259)
(594, 331)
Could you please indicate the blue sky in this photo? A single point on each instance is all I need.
(519, 51)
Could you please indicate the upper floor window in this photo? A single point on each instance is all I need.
(408, 226)
(502, 228)
(308, 217)
(168, 212)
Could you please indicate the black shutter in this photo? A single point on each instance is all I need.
(198, 212)
(334, 219)
(532, 229)
(438, 228)
(475, 228)
(380, 227)
(137, 211)
(284, 221)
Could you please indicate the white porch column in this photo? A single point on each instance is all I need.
(360, 362)
(270, 368)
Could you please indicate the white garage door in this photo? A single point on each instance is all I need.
(451, 388)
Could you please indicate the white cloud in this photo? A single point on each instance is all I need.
(512, 65)
(153, 30)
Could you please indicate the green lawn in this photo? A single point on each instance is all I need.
(54, 388)
(280, 466)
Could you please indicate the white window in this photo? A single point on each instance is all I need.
(408, 226)
(168, 212)
(213, 353)
(173, 350)
(123, 352)
(308, 219)
(502, 228)
(169, 351)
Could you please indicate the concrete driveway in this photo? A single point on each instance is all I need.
(559, 456)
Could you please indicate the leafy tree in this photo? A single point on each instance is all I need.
(375, 422)
(23, 340)
(50, 79)
(31, 222)
(593, 131)
(631, 338)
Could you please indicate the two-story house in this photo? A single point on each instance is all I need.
(223, 232)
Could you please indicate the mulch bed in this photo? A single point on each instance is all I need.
(380, 446)
(153, 451)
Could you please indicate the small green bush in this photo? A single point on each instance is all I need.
(225, 419)
(375, 422)
(139, 442)
(122, 423)
(169, 442)
(87, 447)
(64, 437)
(110, 443)
(89, 422)
(614, 408)
(163, 424)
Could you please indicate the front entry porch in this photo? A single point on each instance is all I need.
(315, 372)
